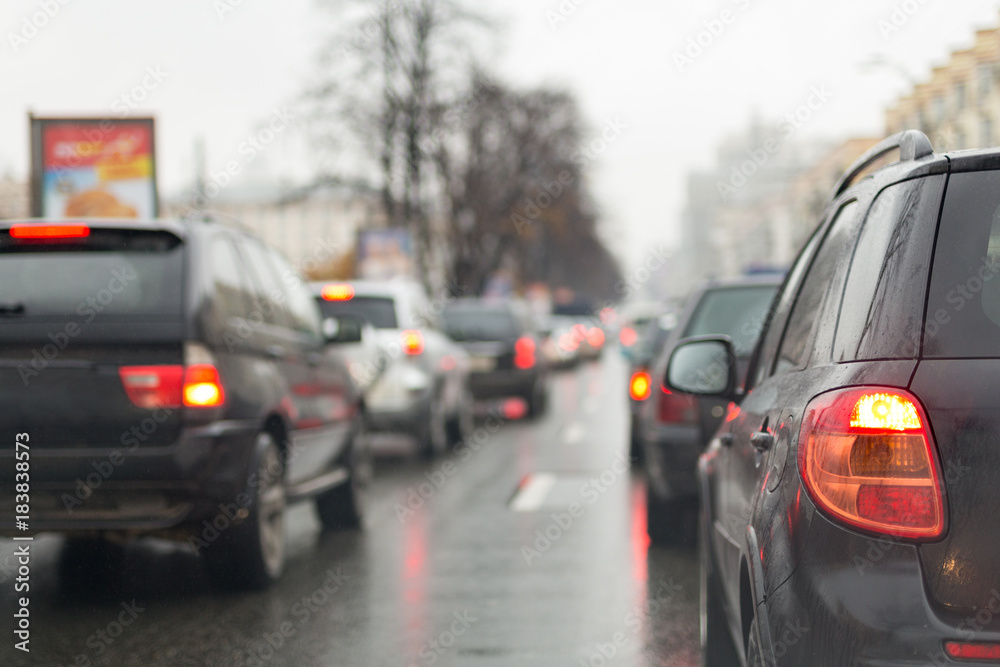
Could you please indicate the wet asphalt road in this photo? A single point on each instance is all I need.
(447, 572)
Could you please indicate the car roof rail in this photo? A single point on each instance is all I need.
(912, 145)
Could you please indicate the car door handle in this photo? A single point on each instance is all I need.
(275, 351)
(761, 440)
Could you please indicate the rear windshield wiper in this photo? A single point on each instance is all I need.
(11, 308)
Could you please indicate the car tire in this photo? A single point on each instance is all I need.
(433, 438)
(250, 555)
(635, 452)
(88, 564)
(344, 506)
(664, 519)
(462, 424)
(717, 649)
(537, 400)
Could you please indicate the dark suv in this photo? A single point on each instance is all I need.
(851, 505)
(170, 379)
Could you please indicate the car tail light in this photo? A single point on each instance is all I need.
(203, 387)
(973, 651)
(152, 387)
(569, 342)
(337, 292)
(524, 353)
(638, 386)
(595, 336)
(627, 336)
(49, 231)
(866, 457)
(676, 408)
(413, 342)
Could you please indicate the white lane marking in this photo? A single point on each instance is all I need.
(531, 496)
(573, 433)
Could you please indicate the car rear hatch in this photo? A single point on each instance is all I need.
(958, 381)
(78, 303)
(489, 335)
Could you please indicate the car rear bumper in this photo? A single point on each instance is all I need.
(133, 488)
(399, 420)
(671, 455)
(497, 384)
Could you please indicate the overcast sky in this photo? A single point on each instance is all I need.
(220, 77)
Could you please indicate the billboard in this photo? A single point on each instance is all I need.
(384, 254)
(93, 168)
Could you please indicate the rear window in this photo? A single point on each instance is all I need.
(737, 312)
(111, 273)
(380, 311)
(963, 310)
(476, 324)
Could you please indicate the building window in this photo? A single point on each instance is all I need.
(985, 80)
(960, 95)
(985, 132)
(938, 106)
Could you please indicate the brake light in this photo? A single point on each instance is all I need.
(595, 336)
(203, 387)
(676, 408)
(337, 292)
(970, 651)
(152, 387)
(569, 342)
(638, 386)
(524, 353)
(866, 457)
(49, 231)
(413, 342)
(627, 336)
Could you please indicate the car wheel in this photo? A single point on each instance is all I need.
(88, 564)
(717, 649)
(344, 506)
(668, 522)
(537, 399)
(462, 424)
(433, 438)
(635, 452)
(251, 554)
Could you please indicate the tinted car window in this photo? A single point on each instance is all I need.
(380, 311)
(113, 273)
(737, 312)
(884, 296)
(821, 290)
(963, 310)
(232, 293)
(471, 325)
(270, 292)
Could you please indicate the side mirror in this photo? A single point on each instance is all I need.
(342, 330)
(704, 366)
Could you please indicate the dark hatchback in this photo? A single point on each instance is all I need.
(505, 356)
(169, 379)
(851, 505)
(672, 429)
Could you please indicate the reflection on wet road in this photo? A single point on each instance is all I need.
(527, 548)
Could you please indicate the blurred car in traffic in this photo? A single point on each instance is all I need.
(505, 358)
(853, 485)
(672, 428)
(633, 319)
(578, 337)
(170, 379)
(650, 341)
(422, 385)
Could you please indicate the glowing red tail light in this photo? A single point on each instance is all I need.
(413, 342)
(524, 353)
(866, 458)
(337, 292)
(595, 336)
(973, 651)
(639, 385)
(151, 387)
(37, 232)
(676, 408)
(628, 336)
